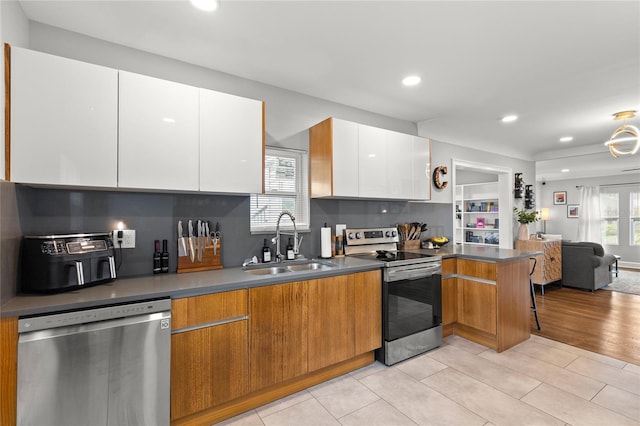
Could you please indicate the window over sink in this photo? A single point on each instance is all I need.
(286, 188)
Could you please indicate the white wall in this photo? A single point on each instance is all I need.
(559, 223)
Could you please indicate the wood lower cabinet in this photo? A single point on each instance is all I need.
(209, 351)
(278, 333)
(491, 302)
(449, 296)
(368, 311)
(8, 370)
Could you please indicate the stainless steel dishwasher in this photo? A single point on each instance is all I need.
(102, 366)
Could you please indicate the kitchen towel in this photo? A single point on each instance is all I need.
(325, 242)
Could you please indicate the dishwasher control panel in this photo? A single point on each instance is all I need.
(90, 315)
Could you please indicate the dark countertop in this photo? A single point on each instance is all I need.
(172, 285)
(473, 252)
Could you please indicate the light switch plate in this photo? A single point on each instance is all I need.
(128, 238)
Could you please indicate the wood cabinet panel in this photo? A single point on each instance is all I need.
(196, 310)
(513, 304)
(209, 366)
(476, 269)
(278, 322)
(449, 266)
(477, 305)
(331, 321)
(368, 311)
(8, 370)
(449, 301)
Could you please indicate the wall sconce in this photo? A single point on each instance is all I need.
(544, 216)
(628, 144)
(518, 188)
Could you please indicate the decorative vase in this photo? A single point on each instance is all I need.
(523, 232)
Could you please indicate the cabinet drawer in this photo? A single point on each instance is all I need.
(448, 266)
(472, 268)
(196, 310)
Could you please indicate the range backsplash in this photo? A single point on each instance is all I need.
(154, 217)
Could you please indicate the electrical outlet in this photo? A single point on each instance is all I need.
(128, 238)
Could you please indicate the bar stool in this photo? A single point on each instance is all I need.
(534, 308)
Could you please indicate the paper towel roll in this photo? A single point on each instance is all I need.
(325, 242)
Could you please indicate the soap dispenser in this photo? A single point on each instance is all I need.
(266, 252)
(290, 253)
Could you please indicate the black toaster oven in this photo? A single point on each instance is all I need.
(55, 263)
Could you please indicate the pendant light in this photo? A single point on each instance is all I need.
(624, 140)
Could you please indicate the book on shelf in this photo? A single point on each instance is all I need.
(480, 222)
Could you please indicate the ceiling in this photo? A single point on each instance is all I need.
(563, 67)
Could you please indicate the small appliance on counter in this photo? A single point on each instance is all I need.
(55, 263)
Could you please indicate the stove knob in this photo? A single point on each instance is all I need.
(358, 235)
(351, 235)
(388, 234)
(394, 233)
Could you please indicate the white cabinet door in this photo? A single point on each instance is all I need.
(345, 158)
(231, 139)
(372, 162)
(421, 169)
(158, 140)
(399, 165)
(63, 121)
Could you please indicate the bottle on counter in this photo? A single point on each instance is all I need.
(266, 252)
(164, 258)
(290, 254)
(157, 262)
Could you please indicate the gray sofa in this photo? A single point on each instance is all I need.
(585, 265)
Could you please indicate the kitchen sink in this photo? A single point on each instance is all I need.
(308, 265)
(272, 270)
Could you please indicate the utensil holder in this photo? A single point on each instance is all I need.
(209, 260)
(409, 245)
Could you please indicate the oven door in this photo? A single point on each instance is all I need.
(412, 300)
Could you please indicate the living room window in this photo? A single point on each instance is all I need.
(609, 212)
(286, 183)
(634, 218)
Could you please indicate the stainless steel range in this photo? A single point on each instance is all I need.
(411, 293)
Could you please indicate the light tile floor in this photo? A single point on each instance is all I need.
(539, 382)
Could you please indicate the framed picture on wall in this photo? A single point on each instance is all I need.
(573, 210)
(560, 197)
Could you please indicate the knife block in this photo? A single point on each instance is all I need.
(409, 245)
(209, 260)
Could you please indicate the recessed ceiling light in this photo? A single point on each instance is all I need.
(411, 80)
(566, 139)
(565, 170)
(206, 5)
(509, 118)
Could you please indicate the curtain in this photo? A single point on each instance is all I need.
(589, 214)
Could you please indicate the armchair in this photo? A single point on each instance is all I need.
(585, 265)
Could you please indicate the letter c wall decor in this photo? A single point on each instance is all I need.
(440, 170)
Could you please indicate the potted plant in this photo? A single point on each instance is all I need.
(524, 218)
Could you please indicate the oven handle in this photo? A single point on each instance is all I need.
(410, 275)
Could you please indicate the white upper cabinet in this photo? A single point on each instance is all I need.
(421, 168)
(372, 162)
(158, 139)
(231, 143)
(354, 160)
(400, 161)
(63, 121)
(345, 154)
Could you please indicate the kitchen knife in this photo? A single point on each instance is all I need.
(207, 234)
(192, 249)
(200, 240)
(182, 243)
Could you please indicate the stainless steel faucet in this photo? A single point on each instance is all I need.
(296, 243)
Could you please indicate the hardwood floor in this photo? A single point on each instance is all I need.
(605, 322)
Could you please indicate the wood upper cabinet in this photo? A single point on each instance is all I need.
(231, 143)
(278, 324)
(158, 134)
(209, 356)
(64, 121)
(333, 159)
(355, 160)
